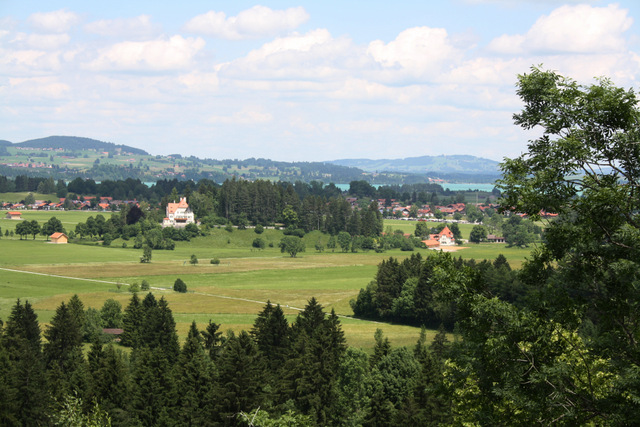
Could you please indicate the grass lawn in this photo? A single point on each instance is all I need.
(231, 293)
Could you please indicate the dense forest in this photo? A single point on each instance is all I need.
(276, 374)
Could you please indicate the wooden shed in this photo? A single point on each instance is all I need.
(59, 238)
(14, 215)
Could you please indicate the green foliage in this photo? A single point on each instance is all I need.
(258, 243)
(111, 314)
(215, 261)
(179, 285)
(478, 234)
(292, 245)
(193, 261)
(258, 229)
(146, 254)
(344, 240)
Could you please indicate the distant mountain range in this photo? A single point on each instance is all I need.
(450, 168)
(74, 143)
(464, 164)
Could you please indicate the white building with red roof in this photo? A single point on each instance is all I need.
(178, 214)
(445, 237)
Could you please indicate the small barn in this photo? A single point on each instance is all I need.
(14, 215)
(59, 238)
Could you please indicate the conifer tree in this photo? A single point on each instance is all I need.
(240, 379)
(109, 384)
(271, 332)
(212, 339)
(194, 386)
(153, 397)
(64, 361)
(26, 398)
(132, 323)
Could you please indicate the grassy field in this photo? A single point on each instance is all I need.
(231, 293)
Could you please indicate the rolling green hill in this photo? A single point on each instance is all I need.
(78, 143)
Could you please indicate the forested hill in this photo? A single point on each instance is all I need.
(425, 164)
(78, 143)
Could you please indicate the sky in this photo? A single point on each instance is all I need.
(299, 80)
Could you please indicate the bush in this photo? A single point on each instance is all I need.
(179, 285)
(193, 260)
(229, 228)
(259, 229)
(258, 243)
(134, 287)
(298, 232)
(145, 285)
(215, 261)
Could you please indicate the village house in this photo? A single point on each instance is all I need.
(445, 237)
(178, 214)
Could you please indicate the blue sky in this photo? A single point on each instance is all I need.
(298, 81)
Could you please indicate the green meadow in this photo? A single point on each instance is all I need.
(230, 293)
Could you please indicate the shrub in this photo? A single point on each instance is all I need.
(179, 285)
(259, 229)
(215, 261)
(193, 260)
(134, 287)
(258, 243)
(298, 232)
(229, 228)
(145, 285)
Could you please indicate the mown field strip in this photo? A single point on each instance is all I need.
(167, 289)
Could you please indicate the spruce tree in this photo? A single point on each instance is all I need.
(26, 398)
(110, 384)
(153, 397)
(271, 332)
(240, 380)
(132, 323)
(212, 339)
(64, 361)
(194, 386)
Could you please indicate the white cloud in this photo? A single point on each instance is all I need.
(47, 41)
(420, 51)
(257, 22)
(165, 54)
(199, 82)
(38, 87)
(244, 117)
(58, 21)
(138, 27)
(311, 56)
(571, 29)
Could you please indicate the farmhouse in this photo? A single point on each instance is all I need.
(14, 215)
(178, 214)
(59, 238)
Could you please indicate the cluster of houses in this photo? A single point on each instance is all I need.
(398, 209)
(100, 203)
